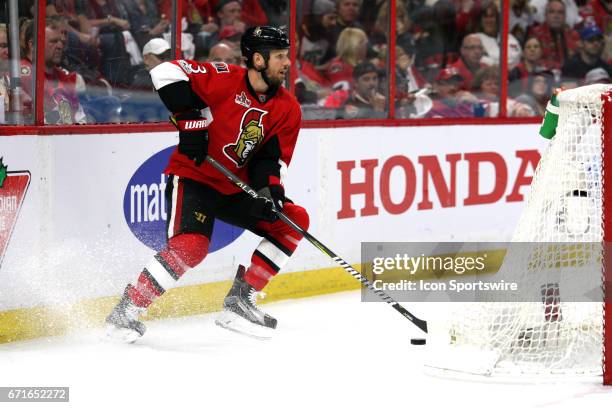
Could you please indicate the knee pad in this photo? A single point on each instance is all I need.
(190, 248)
(297, 214)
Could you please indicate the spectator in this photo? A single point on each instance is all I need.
(469, 62)
(403, 25)
(365, 100)
(145, 20)
(587, 58)
(4, 73)
(109, 19)
(539, 91)
(521, 18)
(68, 10)
(223, 52)
(231, 36)
(490, 38)
(449, 100)
(598, 12)
(4, 49)
(198, 17)
(318, 33)
(61, 102)
(310, 85)
(467, 16)
(557, 39)
(486, 84)
(597, 76)
(81, 53)
(370, 9)
(227, 13)
(154, 53)
(408, 82)
(572, 15)
(351, 49)
(532, 62)
(262, 12)
(436, 37)
(348, 16)
(144, 105)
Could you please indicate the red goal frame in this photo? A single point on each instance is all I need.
(606, 143)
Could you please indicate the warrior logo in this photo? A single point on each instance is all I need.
(13, 188)
(250, 136)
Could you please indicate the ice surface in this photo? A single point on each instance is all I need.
(329, 351)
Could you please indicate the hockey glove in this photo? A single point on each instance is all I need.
(269, 202)
(193, 135)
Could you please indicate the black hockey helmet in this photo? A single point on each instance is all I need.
(262, 39)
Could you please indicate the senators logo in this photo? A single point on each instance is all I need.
(250, 136)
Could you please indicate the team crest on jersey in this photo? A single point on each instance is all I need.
(250, 136)
(188, 68)
(220, 67)
(243, 100)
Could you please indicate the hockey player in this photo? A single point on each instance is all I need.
(247, 121)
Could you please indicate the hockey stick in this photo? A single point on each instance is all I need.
(421, 324)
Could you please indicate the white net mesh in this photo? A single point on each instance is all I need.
(565, 205)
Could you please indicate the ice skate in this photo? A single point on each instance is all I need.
(241, 313)
(122, 323)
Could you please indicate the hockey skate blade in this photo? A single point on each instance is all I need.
(121, 335)
(231, 321)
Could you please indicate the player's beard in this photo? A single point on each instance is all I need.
(276, 80)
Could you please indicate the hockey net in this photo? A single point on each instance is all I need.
(566, 204)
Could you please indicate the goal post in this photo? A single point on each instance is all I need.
(606, 132)
(567, 221)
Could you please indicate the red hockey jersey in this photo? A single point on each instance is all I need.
(241, 123)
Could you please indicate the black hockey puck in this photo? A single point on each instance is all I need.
(418, 342)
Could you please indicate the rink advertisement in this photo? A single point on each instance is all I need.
(13, 188)
(144, 206)
(95, 212)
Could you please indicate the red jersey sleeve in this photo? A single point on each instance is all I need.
(207, 79)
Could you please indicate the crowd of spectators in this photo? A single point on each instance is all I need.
(98, 53)
(447, 54)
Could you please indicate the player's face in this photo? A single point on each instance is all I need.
(278, 66)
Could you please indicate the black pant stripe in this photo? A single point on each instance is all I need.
(151, 279)
(267, 261)
(167, 267)
(280, 246)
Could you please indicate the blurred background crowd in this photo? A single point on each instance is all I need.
(446, 60)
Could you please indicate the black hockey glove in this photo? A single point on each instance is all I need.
(193, 135)
(270, 200)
